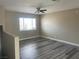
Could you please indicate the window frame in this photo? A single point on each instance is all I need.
(23, 24)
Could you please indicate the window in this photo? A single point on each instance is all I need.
(27, 24)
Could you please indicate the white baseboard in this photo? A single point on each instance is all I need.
(74, 44)
(62, 41)
(30, 37)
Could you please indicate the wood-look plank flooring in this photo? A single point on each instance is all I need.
(41, 48)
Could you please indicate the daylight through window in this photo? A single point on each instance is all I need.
(27, 24)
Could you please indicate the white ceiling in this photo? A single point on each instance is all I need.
(29, 6)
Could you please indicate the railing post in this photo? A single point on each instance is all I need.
(17, 54)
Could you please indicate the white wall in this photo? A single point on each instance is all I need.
(62, 25)
(2, 16)
(12, 24)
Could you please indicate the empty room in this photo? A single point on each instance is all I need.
(39, 29)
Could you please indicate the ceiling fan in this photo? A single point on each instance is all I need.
(39, 10)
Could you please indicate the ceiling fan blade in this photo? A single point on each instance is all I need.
(43, 10)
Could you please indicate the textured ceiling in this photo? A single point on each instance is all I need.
(29, 6)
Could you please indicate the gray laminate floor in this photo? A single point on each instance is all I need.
(40, 48)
